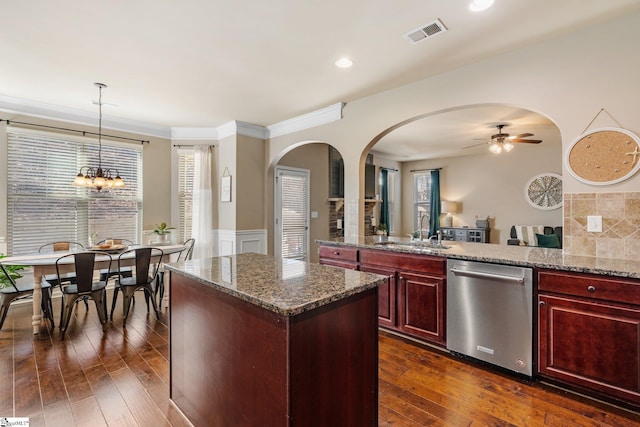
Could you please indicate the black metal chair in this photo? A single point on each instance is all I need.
(85, 287)
(17, 291)
(113, 272)
(144, 279)
(60, 246)
(185, 254)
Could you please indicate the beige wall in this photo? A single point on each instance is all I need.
(226, 161)
(315, 158)
(249, 181)
(568, 79)
(490, 185)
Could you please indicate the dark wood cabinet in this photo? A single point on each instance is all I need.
(339, 256)
(416, 293)
(589, 333)
(421, 306)
(386, 295)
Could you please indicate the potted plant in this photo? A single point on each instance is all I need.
(382, 229)
(12, 270)
(162, 231)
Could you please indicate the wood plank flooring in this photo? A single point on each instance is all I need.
(121, 378)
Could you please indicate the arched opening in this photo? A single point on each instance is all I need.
(482, 184)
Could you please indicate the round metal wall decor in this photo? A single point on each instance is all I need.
(604, 156)
(544, 191)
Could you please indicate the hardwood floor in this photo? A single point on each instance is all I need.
(121, 378)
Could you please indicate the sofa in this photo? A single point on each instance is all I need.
(547, 231)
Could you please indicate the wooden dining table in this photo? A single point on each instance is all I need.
(45, 263)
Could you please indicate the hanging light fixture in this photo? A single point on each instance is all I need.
(96, 177)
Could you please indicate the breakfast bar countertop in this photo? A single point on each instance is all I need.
(284, 286)
(502, 254)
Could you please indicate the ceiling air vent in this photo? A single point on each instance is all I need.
(425, 31)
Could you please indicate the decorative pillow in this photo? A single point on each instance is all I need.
(527, 233)
(548, 240)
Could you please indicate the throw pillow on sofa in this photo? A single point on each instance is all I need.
(548, 240)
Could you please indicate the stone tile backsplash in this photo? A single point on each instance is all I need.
(620, 236)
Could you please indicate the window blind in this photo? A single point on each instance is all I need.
(186, 169)
(295, 214)
(43, 206)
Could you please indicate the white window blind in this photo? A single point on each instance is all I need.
(421, 199)
(294, 193)
(186, 168)
(43, 206)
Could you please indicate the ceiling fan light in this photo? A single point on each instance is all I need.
(507, 146)
(495, 148)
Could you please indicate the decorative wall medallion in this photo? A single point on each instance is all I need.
(604, 156)
(544, 191)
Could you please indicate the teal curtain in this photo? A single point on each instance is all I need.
(384, 193)
(434, 212)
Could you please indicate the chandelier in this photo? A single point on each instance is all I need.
(96, 177)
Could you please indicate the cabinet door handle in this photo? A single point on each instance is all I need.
(541, 303)
(591, 288)
(401, 277)
(336, 253)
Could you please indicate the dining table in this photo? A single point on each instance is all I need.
(45, 263)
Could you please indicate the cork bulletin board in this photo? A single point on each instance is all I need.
(604, 156)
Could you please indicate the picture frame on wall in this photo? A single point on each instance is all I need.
(225, 188)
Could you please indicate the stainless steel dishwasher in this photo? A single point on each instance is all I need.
(489, 313)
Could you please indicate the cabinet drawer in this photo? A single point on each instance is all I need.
(339, 253)
(590, 286)
(420, 263)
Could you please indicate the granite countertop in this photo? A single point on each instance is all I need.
(285, 286)
(503, 254)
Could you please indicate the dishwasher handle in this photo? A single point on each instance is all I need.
(485, 275)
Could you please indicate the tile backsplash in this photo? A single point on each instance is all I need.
(620, 236)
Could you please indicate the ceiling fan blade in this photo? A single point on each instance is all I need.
(527, 141)
(523, 135)
(474, 145)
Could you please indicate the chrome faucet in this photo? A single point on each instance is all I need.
(438, 235)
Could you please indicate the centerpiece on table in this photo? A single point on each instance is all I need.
(162, 230)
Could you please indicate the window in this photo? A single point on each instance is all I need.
(43, 206)
(421, 200)
(292, 213)
(186, 168)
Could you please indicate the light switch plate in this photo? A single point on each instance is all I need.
(594, 223)
(314, 214)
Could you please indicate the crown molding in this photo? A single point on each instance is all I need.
(329, 114)
(54, 112)
(47, 111)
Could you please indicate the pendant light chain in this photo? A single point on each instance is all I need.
(97, 177)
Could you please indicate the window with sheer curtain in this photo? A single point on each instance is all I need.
(421, 200)
(43, 206)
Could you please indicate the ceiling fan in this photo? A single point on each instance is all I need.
(503, 142)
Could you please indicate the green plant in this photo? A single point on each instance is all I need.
(162, 228)
(415, 234)
(12, 270)
(382, 226)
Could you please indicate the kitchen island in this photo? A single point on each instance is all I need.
(258, 340)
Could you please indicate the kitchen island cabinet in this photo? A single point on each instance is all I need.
(589, 333)
(258, 340)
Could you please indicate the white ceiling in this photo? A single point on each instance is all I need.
(203, 63)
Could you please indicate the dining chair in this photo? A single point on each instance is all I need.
(126, 271)
(144, 278)
(185, 254)
(60, 246)
(83, 263)
(14, 291)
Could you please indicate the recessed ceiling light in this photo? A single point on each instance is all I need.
(344, 62)
(480, 5)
